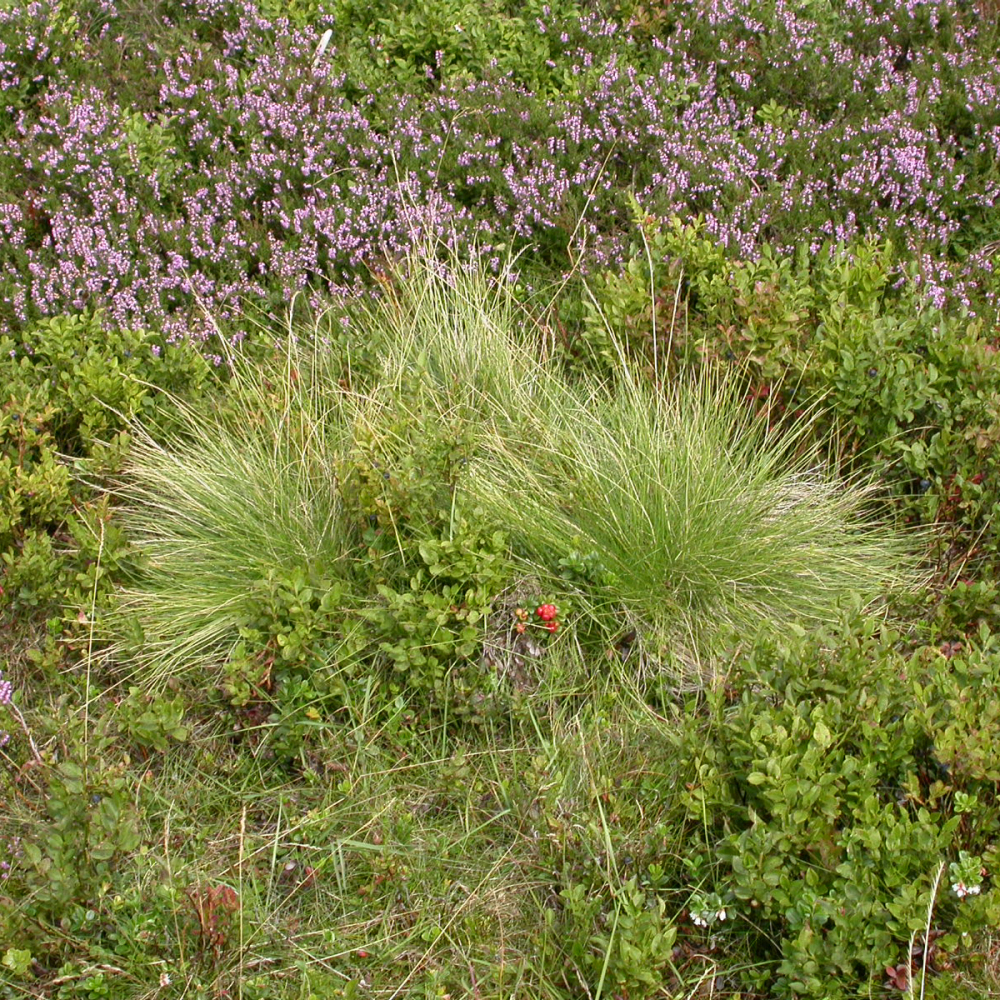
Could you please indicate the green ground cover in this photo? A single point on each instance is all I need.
(498, 500)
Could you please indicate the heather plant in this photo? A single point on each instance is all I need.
(6, 692)
(264, 164)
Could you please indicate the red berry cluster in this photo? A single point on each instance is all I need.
(547, 615)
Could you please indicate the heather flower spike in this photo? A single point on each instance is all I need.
(6, 701)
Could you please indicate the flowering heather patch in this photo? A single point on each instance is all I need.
(240, 169)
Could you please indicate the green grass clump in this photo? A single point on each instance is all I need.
(454, 342)
(682, 513)
(234, 500)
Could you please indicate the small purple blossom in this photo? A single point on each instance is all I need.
(6, 693)
(13, 850)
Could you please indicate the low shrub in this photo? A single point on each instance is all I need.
(851, 823)
(907, 390)
(73, 389)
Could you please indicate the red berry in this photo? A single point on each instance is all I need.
(547, 612)
(551, 626)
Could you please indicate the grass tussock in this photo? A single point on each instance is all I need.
(237, 497)
(684, 512)
(679, 511)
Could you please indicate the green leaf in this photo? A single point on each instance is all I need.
(822, 734)
(18, 960)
